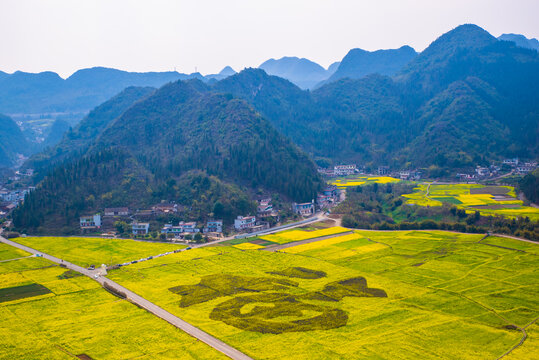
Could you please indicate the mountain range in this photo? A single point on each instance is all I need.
(466, 100)
(521, 40)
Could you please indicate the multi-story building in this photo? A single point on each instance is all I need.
(140, 228)
(304, 209)
(214, 226)
(343, 170)
(265, 207)
(244, 222)
(90, 222)
(189, 227)
(383, 170)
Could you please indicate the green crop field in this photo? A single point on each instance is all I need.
(371, 294)
(77, 317)
(489, 200)
(86, 251)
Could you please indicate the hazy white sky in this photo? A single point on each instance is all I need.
(159, 35)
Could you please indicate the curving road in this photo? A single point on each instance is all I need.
(142, 302)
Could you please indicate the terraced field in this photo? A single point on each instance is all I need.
(386, 295)
(76, 317)
(363, 180)
(489, 200)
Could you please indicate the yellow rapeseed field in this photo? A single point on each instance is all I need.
(86, 251)
(385, 294)
(362, 180)
(79, 317)
(248, 246)
(287, 236)
(472, 197)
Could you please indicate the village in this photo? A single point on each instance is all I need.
(143, 222)
(140, 223)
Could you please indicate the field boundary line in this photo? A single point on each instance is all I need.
(20, 258)
(524, 337)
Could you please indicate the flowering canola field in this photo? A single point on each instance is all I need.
(288, 236)
(489, 200)
(363, 180)
(79, 317)
(384, 294)
(85, 251)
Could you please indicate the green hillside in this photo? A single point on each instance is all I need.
(208, 151)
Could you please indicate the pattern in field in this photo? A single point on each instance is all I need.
(448, 295)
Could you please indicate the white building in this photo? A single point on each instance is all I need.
(140, 228)
(343, 170)
(304, 209)
(90, 222)
(215, 226)
(244, 222)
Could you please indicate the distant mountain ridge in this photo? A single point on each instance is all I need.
(359, 63)
(45, 92)
(302, 72)
(521, 41)
(484, 93)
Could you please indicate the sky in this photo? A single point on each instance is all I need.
(206, 35)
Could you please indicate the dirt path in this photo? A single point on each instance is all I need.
(143, 303)
(295, 243)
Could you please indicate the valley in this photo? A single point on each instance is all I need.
(381, 202)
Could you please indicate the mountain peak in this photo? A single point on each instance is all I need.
(227, 71)
(463, 36)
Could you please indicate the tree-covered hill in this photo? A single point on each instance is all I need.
(179, 136)
(466, 99)
(359, 63)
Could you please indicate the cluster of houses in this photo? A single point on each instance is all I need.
(341, 170)
(521, 167)
(10, 199)
(328, 198)
(484, 172)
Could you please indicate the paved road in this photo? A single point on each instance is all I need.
(143, 303)
(315, 218)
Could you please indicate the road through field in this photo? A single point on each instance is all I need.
(142, 302)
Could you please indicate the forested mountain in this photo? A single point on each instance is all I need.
(521, 40)
(76, 141)
(467, 99)
(12, 142)
(45, 92)
(302, 72)
(182, 134)
(359, 63)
